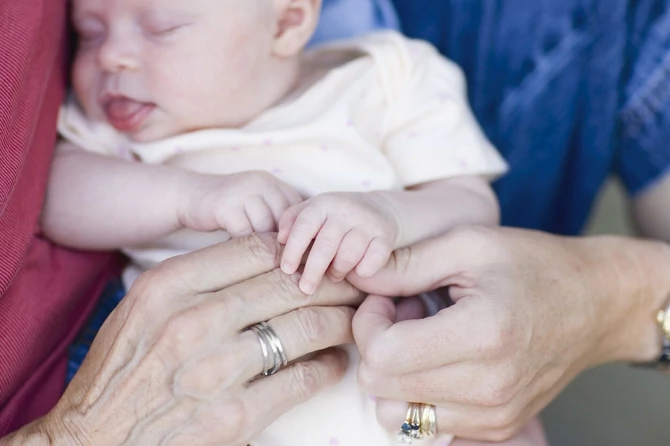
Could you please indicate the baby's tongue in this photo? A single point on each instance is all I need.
(123, 108)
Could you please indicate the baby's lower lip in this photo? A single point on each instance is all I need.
(127, 115)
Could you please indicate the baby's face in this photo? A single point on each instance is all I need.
(156, 68)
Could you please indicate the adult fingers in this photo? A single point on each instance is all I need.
(269, 398)
(311, 329)
(482, 424)
(273, 294)
(301, 332)
(453, 335)
(234, 419)
(496, 417)
(428, 265)
(210, 269)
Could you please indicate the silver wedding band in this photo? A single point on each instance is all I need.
(274, 355)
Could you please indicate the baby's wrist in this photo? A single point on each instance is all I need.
(190, 188)
(389, 206)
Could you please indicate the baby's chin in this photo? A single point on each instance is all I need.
(151, 133)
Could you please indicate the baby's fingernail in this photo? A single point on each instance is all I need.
(307, 287)
(288, 268)
(363, 273)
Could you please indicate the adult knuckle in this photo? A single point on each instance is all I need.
(179, 331)
(504, 420)
(230, 304)
(305, 382)
(312, 324)
(501, 434)
(263, 248)
(285, 286)
(149, 289)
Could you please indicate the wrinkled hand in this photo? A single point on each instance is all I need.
(239, 203)
(174, 364)
(349, 230)
(531, 312)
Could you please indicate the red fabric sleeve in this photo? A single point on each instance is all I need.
(46, 292)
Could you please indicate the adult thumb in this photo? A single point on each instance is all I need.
(426, 266)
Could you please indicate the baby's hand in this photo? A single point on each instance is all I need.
(350, 231)
(240, 203)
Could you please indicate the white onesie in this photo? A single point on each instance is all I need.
(394, 116)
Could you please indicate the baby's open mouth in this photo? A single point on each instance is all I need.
(126, 115)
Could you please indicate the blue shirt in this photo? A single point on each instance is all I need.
(570, 91)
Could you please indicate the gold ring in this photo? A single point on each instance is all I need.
(411, 428)
(428, 421)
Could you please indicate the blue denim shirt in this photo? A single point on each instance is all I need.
(570, 91)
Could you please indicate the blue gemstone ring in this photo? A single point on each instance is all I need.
(420, 423)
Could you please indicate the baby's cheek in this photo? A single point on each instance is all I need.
(85, 87)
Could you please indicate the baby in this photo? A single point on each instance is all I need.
(193, 122)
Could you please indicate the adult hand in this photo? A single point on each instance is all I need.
(531, 312)
(174, 363)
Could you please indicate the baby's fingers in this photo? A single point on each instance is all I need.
(278, 204)
(237, 223)
(351, 251)
(375, 258)
(298, 227)
(321, 255)
(259, 215)
(292, 195)
(287, 221)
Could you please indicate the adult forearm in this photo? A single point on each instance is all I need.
(95, 202)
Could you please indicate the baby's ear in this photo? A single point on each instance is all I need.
(296, 22)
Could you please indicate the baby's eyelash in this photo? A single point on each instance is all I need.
(165, 30)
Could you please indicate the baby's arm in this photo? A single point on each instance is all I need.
(360, 230)
(433, 208)
(96, 202)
